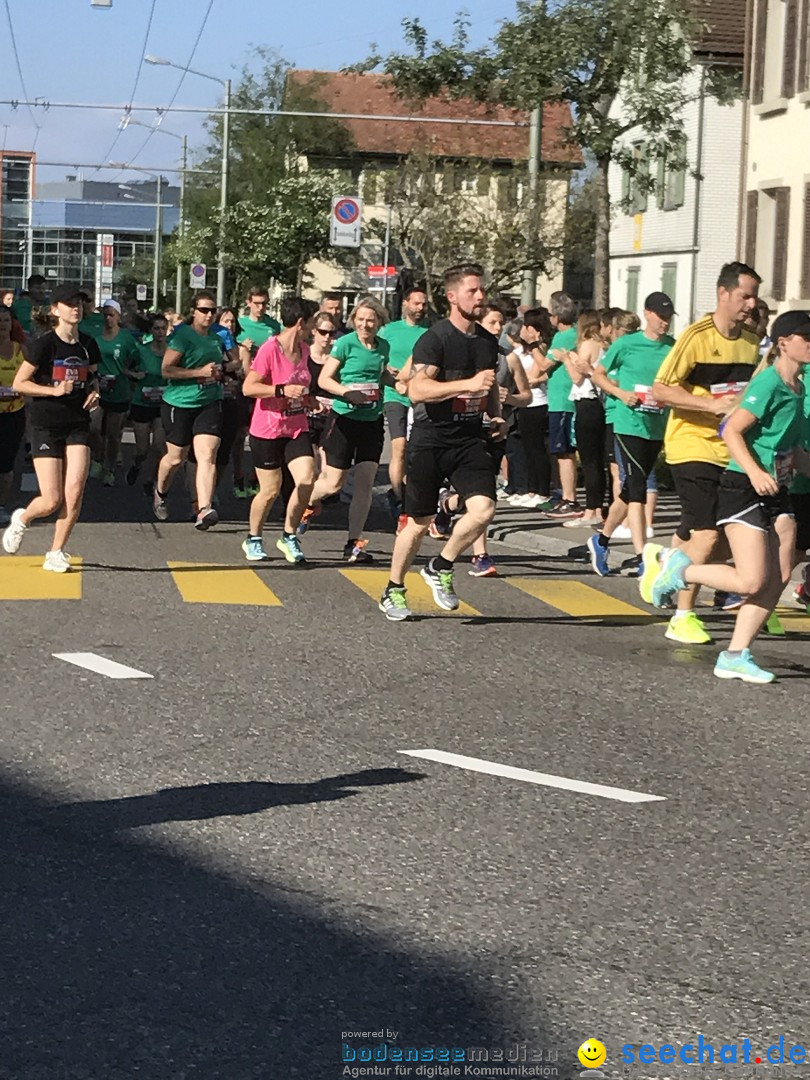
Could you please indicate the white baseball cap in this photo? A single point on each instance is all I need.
(113, 304)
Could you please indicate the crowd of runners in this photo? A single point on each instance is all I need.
(485, 405)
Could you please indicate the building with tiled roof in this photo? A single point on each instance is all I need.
(476, 149)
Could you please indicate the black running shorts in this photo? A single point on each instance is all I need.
(51, 441)
(347, 441)
(181, 425)
(800, 501)
(739, 504)
(396, 415)
(467, 466)
(697, 485)
(273, 453)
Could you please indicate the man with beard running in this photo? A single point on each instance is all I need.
(452, 387)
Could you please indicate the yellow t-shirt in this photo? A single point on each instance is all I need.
(704, 363)
(8, 369)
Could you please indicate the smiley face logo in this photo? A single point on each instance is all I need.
(592, 1053)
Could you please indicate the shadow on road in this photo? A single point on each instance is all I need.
(122, 958)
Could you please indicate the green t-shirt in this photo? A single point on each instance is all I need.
(21, 310)
(196, 350)
(633, 361)
(92, 324)
(780, 423)
(361, 369)
(559, 381)
(117, 354)
(401, 336)
(149, 390)
(258, 331)
(801, 483)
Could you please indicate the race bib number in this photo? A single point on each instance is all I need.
(7, 393)
(471, 405)
(371, 391)
(75, 371)
(296, 406)
(722, 389)
(646, 401)
(152, 394)
(784, 468)
(106, 383)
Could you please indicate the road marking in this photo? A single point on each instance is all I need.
(101, 665)
(420, 597)
(576, 598)
(22, 578)
(28, 482)
(202, 583)
(584, 787)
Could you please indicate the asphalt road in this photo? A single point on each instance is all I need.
(224, 870)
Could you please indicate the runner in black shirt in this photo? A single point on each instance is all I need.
(453, 386)
(59, 379)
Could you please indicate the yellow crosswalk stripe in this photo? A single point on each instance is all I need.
(202, 583)
(22, 578)
(576, 598)
(420, 598)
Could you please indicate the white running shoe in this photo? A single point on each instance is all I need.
(57, 561)
(622, 532)
(12, 537)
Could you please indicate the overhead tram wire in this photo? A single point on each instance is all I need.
(179, 86)
(114, 143)
(20, 73)
(235, 111)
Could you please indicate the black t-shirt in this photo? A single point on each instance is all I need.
(55, 361)
(457, 356)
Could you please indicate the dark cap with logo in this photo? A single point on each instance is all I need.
(790, 322)
(62, 293)
(660, 304)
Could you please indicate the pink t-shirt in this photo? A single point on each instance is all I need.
(280, 417)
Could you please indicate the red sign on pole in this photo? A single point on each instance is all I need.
(106, 255)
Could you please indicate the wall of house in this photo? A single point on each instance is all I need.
(778, 158)
(659, 244)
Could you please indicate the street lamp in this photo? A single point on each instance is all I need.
(127, 120)
(226, 132)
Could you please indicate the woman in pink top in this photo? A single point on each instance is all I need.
(279, 380)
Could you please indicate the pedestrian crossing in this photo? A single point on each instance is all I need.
(23, 579)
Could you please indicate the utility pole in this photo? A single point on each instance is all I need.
(158, 244)
(223, 194)
(528, 293)
(178, 298)
(386, 255)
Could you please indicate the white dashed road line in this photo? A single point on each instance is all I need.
(584, 787)
(101, 665)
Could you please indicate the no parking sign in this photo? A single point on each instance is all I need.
(346, 221)
(196, 278)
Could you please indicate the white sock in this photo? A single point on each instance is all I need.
(680, 612)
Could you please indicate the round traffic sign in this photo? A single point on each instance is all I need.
(347, 211)
(198, 270)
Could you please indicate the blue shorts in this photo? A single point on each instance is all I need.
(560, 433)
(652, 479)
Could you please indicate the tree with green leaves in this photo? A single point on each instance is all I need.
(278, 211)
(620, 64)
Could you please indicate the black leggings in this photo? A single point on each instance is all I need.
(590, 432)
(639, 456)
(533, 428)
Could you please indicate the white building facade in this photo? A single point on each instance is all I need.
(676, 237)
(775, 217)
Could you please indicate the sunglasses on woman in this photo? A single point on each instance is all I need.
(207, 310)
(326, 333)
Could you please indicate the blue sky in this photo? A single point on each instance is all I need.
(70, 51)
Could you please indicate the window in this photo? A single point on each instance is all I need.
(760, 42)
(635, 181)
(669, 280)
(805, 279)
(751, 209)
(633, 274)
(781, 198)
(789, 50)
(671, 181)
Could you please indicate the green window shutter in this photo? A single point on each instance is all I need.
(661, 184)
(483, 182)
(449, 178)
(632, 287)
(370, 185)
(669, 281)
(642, 196)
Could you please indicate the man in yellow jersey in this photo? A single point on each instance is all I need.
(700, 381)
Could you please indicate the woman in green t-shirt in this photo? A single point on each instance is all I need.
(353, 373)
(764, 436)
(144, 412)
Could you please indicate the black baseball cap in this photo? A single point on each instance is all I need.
(62, 293)
(790, 322)
(660, 304)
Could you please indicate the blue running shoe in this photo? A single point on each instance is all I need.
(669, 579)
(599, 556)
(252, 547)
(290, 548)
(741, 667)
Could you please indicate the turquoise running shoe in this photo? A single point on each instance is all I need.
(741, 667)
(670, 577)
